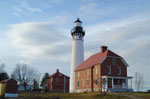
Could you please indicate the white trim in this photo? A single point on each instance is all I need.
(103, 60)
(124, 62)
(114, 56)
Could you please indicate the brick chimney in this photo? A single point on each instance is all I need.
(103, 49)
(57, 70)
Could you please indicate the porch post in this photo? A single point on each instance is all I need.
(126, 83)
(112, 83)
(131, 82)
(106, 83)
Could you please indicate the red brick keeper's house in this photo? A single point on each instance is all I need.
(104, 66)
(58, 82)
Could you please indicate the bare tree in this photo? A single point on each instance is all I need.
(25, 75)
(138, 81)
(101, 84)
(3, 74)
(2, 66)
(35, 85)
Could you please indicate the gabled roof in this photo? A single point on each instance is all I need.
(57, 74)
(96, 59)
(3, 81)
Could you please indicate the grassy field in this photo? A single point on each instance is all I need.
(139, 95)
(49, 95)
(90, 95)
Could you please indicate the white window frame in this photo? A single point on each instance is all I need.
(78, 74)
(87, 72)
(64, 79)
(109, 67)
(87, 82)
(78, 84)
(119, 73)
(57, 79)
(82, 82)
(96, 70)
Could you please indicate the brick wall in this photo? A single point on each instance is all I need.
(95, 72)
(53, 83)
(119, 63)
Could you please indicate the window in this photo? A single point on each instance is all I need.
(78, 74)
(118, 70)
(95, 70)
(87, 72)
(57, 79)
(57, 87)
(87, 82)
(64, 79)
(64, 87)
(108, 70)
(96, 81)
(118, 81)
(82, 83)
(113, 61)
(78, 83)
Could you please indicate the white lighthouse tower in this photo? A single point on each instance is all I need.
(77, 50)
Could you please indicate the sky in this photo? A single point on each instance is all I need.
(38, 32)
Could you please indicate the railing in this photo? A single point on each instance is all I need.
(121, 87)
(129, 86)
(118, 86)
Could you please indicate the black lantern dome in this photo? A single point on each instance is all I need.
(77, 30)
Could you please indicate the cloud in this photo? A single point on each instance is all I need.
(24, 9)
(87, 9)
(40, 40)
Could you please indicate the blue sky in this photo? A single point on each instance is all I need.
(37, 32)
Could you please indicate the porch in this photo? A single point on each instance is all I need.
(114, 84)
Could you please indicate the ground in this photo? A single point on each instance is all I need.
(94, 95)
